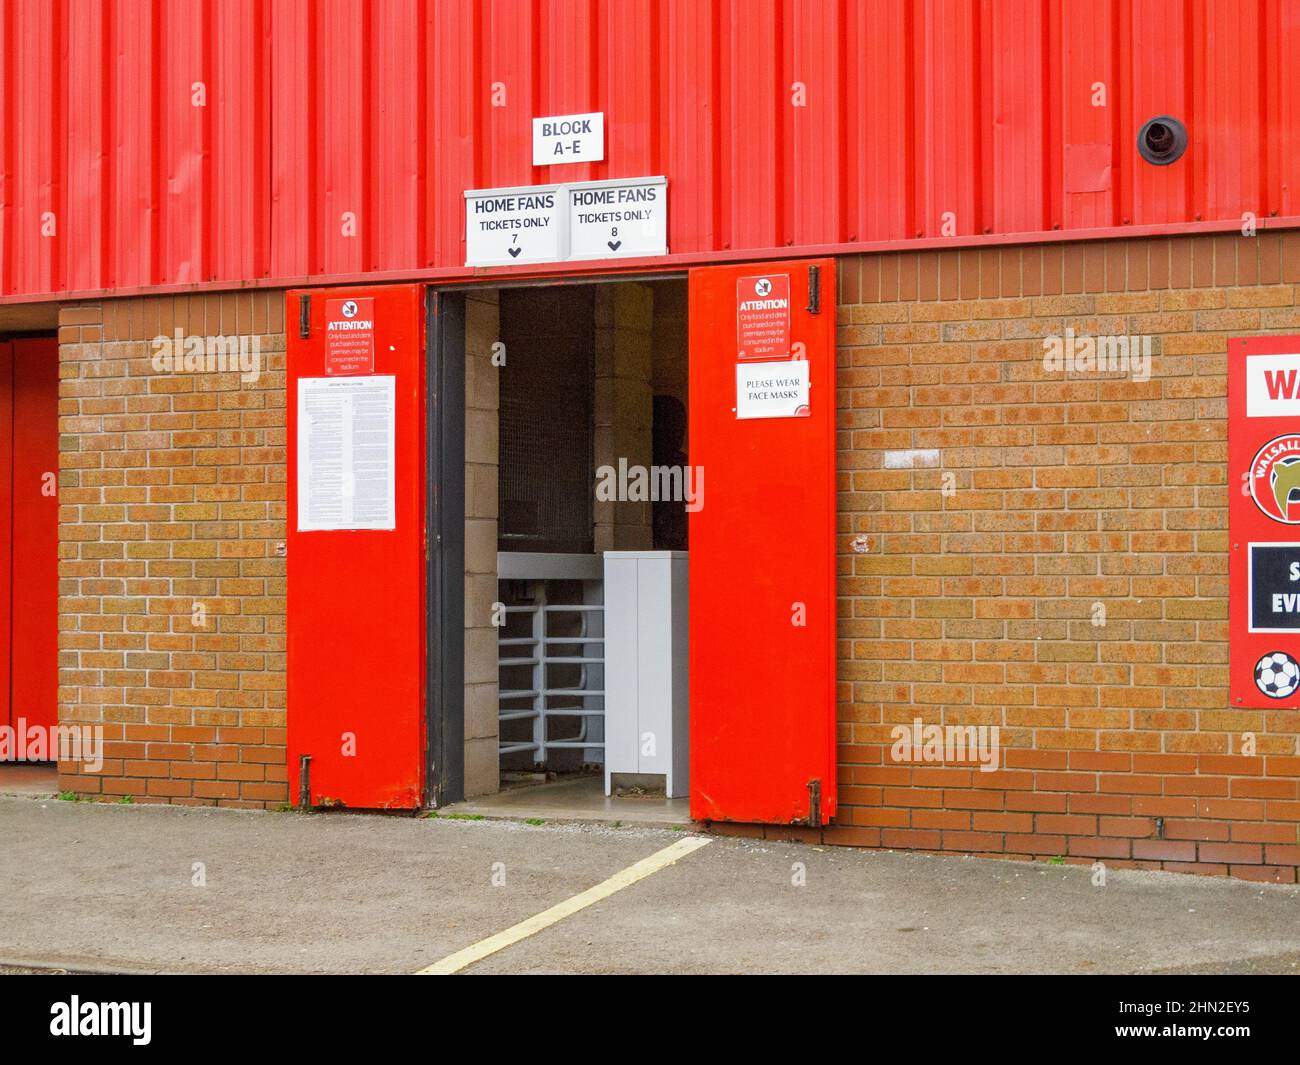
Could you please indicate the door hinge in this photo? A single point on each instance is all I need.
(304, 316)
(814, 290)
(815, 803)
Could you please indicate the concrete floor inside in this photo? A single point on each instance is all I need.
(567, 799)
(575, 799)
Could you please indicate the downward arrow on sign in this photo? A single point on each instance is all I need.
(514, 252)
(614, 245)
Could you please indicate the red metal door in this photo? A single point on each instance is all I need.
(6, 527)
(762, 570)
(356, 595)
(34, 603)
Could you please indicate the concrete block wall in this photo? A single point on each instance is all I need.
(624, 408)
(482, 390)
(669, 340)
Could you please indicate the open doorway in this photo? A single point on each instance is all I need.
(577, 487)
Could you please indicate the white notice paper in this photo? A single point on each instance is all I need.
(772, 389)
(346, 478)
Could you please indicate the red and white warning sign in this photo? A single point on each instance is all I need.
(763, 317)
(1264, 522)
(349, 337)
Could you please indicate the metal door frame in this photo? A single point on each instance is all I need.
(445, 516)
(445, 544)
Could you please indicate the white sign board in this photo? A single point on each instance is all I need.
(569, 139)
(346, 478)
(614, 219)
(1272, 386)
(618, 219)
(772, 389)
(522, 225)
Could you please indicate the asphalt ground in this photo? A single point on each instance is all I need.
(118, 888)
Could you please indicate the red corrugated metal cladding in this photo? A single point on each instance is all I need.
(152, 142)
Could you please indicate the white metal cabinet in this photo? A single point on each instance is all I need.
(646, 696)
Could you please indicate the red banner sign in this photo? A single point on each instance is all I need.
(763, 317)
(349, 337)
(1264, 522)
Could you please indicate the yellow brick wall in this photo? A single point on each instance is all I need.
(172, 507)
(975, 605)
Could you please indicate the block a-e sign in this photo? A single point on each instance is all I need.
(569, 139)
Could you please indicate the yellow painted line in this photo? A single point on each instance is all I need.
(453, 963)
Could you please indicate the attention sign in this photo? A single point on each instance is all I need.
(349, 337)
(763, 317)
(1264, 522)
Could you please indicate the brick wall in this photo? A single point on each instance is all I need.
(172, 503)
(972, 601)
(976, 606)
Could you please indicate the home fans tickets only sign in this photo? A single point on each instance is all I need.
(1264, 521)
(618, 219)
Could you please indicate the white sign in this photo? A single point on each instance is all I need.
(618, 219)
(346, 478)
(1272, 385)
(554, 223)
(523, 225)
(569, 139)
(772, 389)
